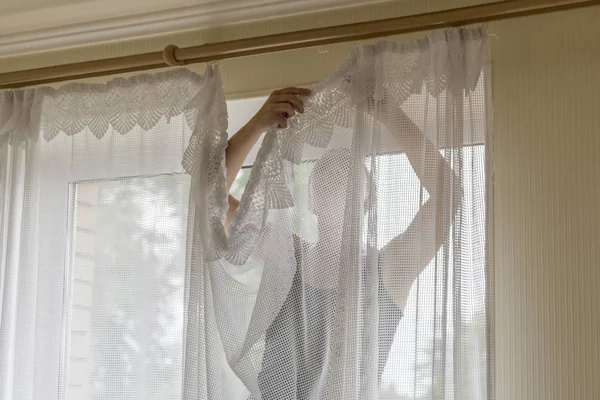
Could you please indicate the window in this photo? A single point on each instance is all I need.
(407, 374)
(127, 256)
(128, 253)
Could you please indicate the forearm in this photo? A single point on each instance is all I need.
(233, 206)
(405, 256)
(424, 157)
(281, 105)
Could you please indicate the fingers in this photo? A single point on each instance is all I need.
(292, 99)
(283, 104)
(286, 110)
(281, 112)
(293, 90)
(290, 95)
(281, 122)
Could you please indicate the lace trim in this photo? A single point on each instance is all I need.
(204, 160)
(121, 104)
(449, 61)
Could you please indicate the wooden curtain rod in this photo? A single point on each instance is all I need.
(172, 55)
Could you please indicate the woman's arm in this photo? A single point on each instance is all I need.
(281, 105)
(405, 256)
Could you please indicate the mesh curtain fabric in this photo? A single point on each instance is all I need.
(357, 265)
(93, 221)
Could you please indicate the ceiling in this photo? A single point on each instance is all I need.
(41, 25)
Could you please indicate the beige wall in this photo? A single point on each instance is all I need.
(547, 176)
(547, 206)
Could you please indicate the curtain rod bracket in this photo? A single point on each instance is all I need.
(169, 56)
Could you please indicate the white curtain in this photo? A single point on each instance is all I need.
(357, 265)
(93, 226)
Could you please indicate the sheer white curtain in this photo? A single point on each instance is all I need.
(357, 265)
(93, 226)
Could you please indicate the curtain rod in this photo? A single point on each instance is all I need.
(172, 55)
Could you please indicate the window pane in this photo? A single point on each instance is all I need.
(127, 288)
(239, 184)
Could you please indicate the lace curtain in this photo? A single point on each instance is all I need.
(357, 264)
(93, 225)
(356, 267)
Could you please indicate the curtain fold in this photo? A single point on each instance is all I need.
(18, 286)
(356, 265)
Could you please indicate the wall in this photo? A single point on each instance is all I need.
(547, 175)
(547, 206)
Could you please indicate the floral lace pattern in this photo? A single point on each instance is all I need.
(454, 61)
(121, 104)
(444, 61)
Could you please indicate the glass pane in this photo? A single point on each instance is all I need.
(239, 184)
(128, 288)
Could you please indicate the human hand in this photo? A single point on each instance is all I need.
(281, 105)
